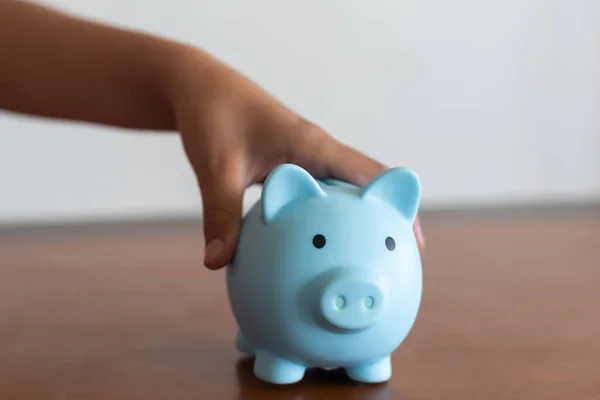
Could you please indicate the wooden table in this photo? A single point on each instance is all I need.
(510, 311)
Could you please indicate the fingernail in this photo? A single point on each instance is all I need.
(213, 250)
(419, 234)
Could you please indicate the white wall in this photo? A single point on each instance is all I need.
(489, 101)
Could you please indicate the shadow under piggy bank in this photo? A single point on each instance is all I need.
(317, 384)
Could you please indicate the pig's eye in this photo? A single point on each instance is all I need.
(390, 243)
(319, 241)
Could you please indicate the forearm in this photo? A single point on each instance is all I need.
(56, 65)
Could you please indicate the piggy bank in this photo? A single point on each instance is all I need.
(326, 275)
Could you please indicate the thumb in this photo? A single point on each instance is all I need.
(222, 215)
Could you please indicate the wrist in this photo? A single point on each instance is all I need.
(187, 75)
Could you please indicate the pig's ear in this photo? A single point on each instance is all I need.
(399, 187)
(286, 183)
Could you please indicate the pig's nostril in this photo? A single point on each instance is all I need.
(339, 302)
(351, 303)
(368, 302)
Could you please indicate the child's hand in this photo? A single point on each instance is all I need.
(234, 134)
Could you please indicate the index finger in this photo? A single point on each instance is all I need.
(345, 163)
(348, 164)
(326, 157)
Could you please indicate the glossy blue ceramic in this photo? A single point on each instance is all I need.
(327, 275)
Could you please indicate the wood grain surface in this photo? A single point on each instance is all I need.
(511, 310)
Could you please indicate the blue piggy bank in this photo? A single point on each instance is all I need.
(327, 275)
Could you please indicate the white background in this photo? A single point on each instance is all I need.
(491, 102)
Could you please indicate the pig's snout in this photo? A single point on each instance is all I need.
(351, 303)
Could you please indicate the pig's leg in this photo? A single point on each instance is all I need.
(373, 372)
(243, 344)
(277, 370)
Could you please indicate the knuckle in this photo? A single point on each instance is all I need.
(311, 132)
(219, 172)
(315, 141)
(216, 165)
(221, 214)
(221, 219)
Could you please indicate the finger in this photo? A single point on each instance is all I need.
(222, 214)
(327, 157)
(359, 169)
(348, 164)
(337, 160)
(419, 233)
